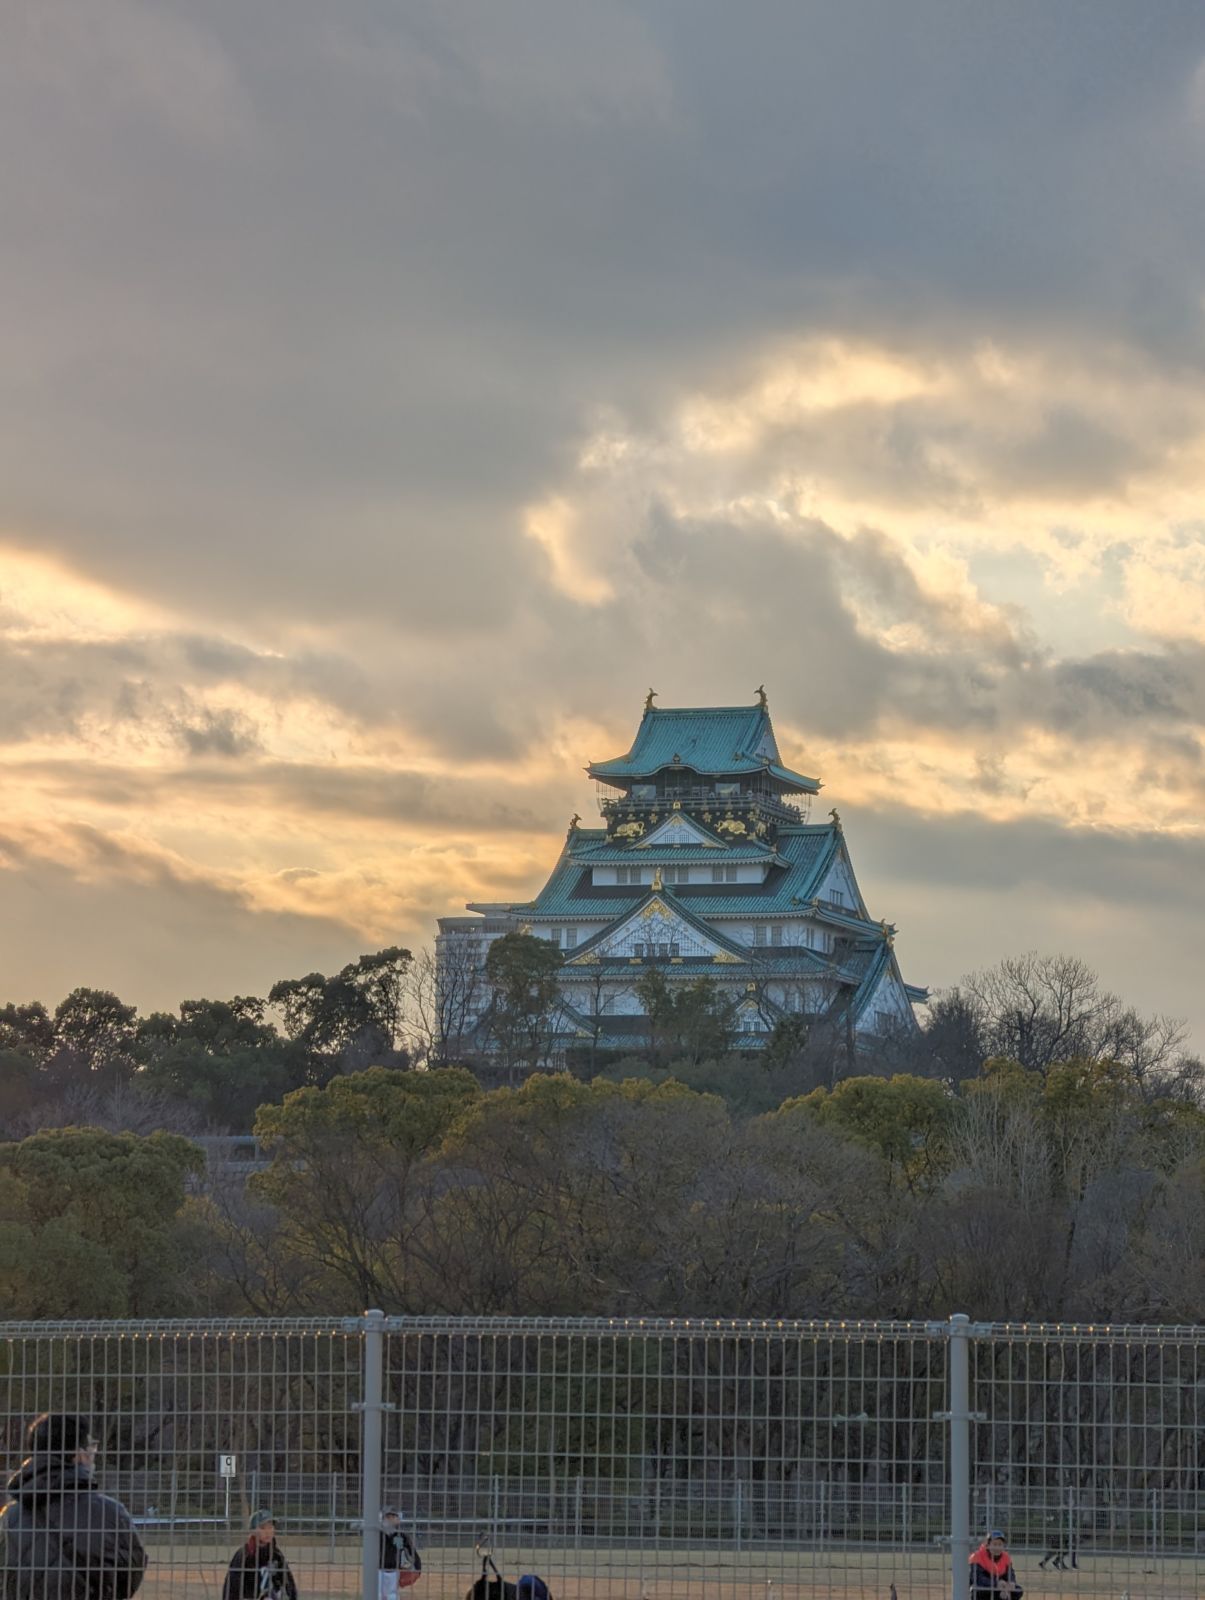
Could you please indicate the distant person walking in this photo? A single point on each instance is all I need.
(400, 1562)
(1062, 1555)
(60, 1539)
(992, 1570)
(258, 1569)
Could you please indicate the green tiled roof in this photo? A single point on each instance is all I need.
(715, 741)
(808, 850)
(685, 855)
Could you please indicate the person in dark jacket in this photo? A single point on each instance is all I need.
(59, 1538)
(992, 1570)
(258, 1569)
(400, 1561)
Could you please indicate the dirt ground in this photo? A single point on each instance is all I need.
(192, 1569)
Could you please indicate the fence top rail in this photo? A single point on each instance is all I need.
(623, 1327)
(181, 1327)
(471, 1327)
(1112, 1332)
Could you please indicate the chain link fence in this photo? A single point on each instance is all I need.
(651, 1459)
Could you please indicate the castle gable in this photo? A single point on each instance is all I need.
(658, 928)
(678, 830)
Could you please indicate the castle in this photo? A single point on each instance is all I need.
(706, 863)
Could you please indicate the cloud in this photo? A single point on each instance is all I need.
(221, 733)
(113, 917)
(393, 393)
(1124, 901)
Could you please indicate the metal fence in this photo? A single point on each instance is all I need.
(652, 1459)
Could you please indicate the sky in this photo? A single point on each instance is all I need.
(393, 392)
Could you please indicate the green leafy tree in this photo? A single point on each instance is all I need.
(521, 973)
(688, 1021)
(903, 1118)
(223, 1059)
(357, 1015)
(94, 1033)
(93, 1223)
(578, 1196)
(27, 1030)
(346, 1163)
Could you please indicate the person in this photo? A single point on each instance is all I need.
(400, 1562)
(60, 1538)
(1061, 1554)
(992, 1570)
(258, 1569)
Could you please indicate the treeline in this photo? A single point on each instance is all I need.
(1064, 1194)
(1037, 1150)
(209, 1066)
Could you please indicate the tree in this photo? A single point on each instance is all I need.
(444, 1000)
(356, 1016)
(222, 1059)
(903, 1118)
(27, 1030)
(1038, 1010)
(598, 993)
(95, 1033)
(693, 1020)
(521, 972)
(93, 1223)
(346, 1160)
(952, 1045)
(578, 1197)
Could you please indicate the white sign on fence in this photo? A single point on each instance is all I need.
(227, 1466)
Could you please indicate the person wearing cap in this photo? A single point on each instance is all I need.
(60, 1539)
(258, 1569)
(400, 1562)
(992, 1570)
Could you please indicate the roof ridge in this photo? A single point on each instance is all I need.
(703, 711)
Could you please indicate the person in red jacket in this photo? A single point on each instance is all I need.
(992, 1570)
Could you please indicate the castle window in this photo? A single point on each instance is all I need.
(638, 949)
(837, 896)
(554, 936)
(725, 791)
(627, 875)
(675, 874)
(723, 874)
(776, 933)
(570, 938)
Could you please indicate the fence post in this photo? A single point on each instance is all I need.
(960, 1454)
(370, 1454)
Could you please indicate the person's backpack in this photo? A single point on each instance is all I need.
(491, 1588)
(529, 1587)
(491, 1585)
